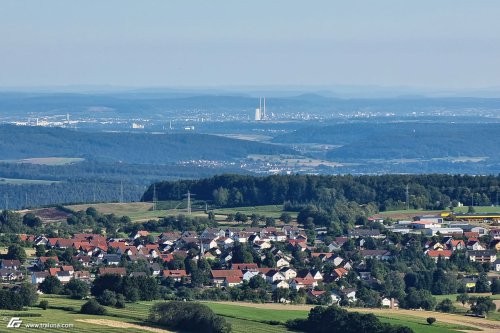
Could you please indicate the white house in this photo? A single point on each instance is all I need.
(280, 284)
(273, 276)
(38, 277)
(288, 273)
(250, 274)
(64, 276)
(282, 262)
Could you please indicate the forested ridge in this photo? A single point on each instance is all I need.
(18, 142)
(386, 192)
(87, 181)
(66, 192)
(110, 171)
(398, 140)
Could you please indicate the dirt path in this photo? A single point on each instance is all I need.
(120, 324)
(487, 326)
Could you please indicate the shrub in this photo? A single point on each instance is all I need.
(446, 305)
(187, 316)
(51, 285)
(93, 308)
(28, 294)
(431, 320)
(108, 298)
(77, 289)
(44, 304)
(120, 301)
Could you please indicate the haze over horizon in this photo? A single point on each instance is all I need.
(443, 46)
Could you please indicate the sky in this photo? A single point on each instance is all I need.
(429, 44)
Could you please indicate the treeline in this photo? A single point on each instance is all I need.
(386, 192)
(18, 297)
(65, 192)
(13, 223)
(107, 171)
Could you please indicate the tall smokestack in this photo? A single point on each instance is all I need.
(264, 112)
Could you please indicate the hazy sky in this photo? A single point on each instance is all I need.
(427, 43)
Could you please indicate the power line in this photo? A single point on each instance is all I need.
(121, 191)
(407, 198)
(189, 195)
(155, 199)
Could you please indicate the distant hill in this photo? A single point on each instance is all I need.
(158, 104)
(402, 140)
(17, 142)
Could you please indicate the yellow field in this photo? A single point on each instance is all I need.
(30, 252)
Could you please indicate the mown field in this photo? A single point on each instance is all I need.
(142, 211)
(494, 315)
(137, 211)
(48, 160)
(478, 209)
(244, 319)
(268, 211)
(18, 181)
(30, 252)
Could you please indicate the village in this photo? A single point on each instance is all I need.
(281, 260)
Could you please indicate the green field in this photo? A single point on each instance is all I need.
(419, 325)
(453, 297)
(494, 315)
(138, 211)
(409, 211)
(268, 211)
(478, 209)
(243, 319)
(142, 211)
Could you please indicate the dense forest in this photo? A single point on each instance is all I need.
(403, 140)
(65, 192)
(26, 185)
(385, 192)
(18, 142)
(110, 171)
(87, 181)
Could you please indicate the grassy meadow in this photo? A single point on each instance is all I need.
(143, 211)
(244, 319)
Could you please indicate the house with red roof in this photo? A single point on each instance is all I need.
(249, 266)
(306, 283)
(456, 244)
(175, 274)
(233, 281)
(219, 276)
(435, 254)
(113, 270)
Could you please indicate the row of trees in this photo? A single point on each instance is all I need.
(17, 298)
(385, 192)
